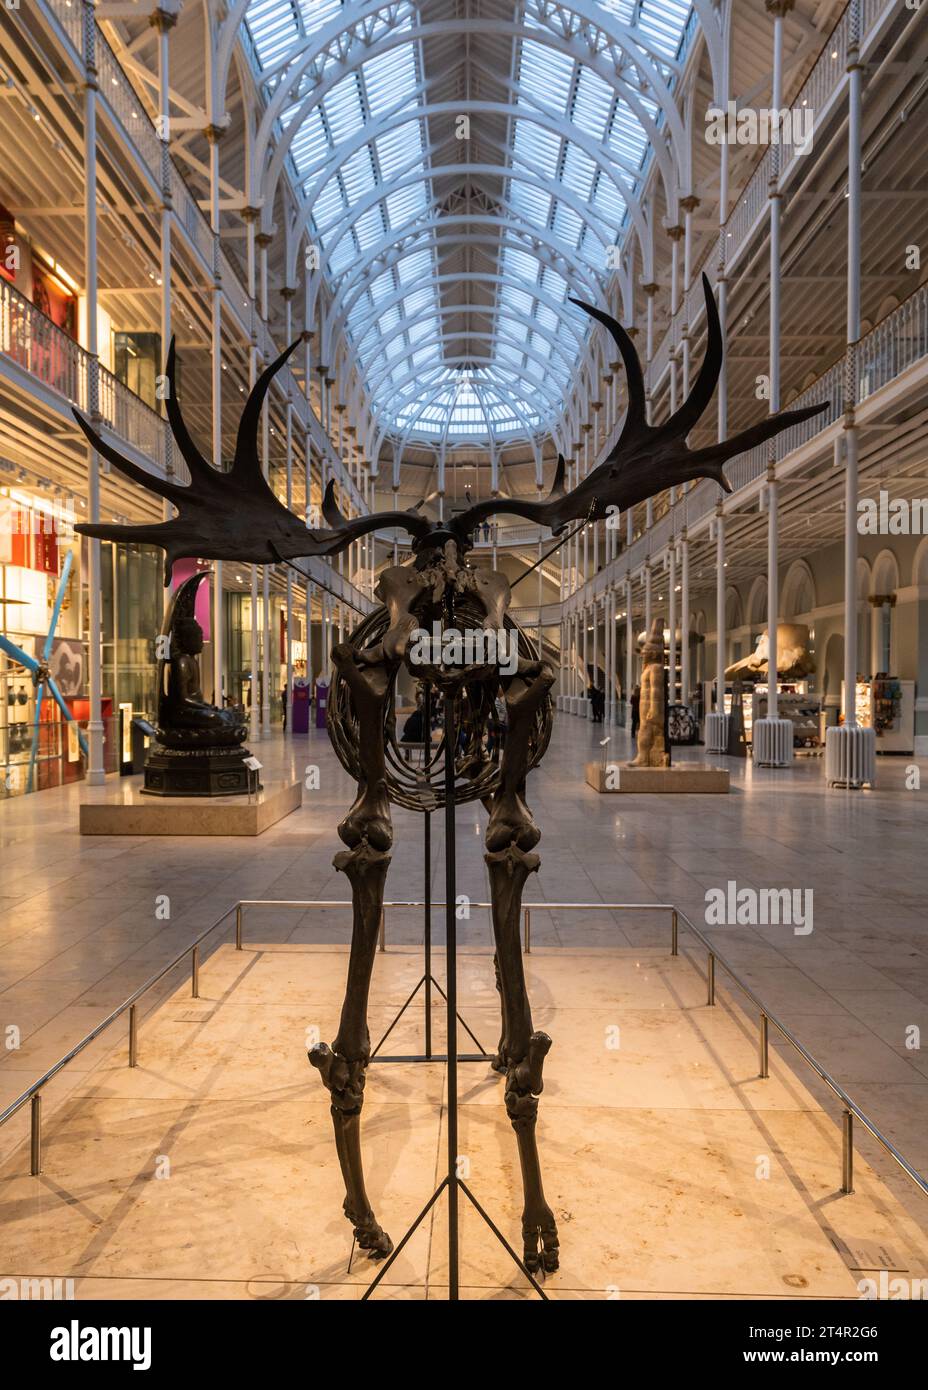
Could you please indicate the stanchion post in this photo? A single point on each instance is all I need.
(382, 938)
(528, 930)
(674, 933)
(133, 1035)
(195, 972)
(847, 1154)
(238, 926)
(710, 979)
(35, 1145)
(764, 1047)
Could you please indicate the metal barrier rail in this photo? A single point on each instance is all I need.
(714, 960)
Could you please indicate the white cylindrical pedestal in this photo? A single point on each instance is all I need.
(850, 756)
(773, 742)
(717, 732)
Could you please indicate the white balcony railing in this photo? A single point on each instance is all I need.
(883, 355)
(823, 81)
(40, 347)
(897, 342)
(134, 421)
(46, 352)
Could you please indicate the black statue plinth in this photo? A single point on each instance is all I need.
(196, 772)
(199, 750)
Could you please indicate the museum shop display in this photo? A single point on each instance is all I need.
(440, 595)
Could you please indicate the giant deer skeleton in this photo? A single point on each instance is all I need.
(234, 515)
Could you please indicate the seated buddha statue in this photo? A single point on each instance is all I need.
(185, 718)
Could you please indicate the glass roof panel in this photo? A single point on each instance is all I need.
(368, 196)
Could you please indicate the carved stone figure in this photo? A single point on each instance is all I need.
(234, 515)
(198, 752)
(794, 660)
(653, 750)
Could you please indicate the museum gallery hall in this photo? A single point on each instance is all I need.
(463, 663)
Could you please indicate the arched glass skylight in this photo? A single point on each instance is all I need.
(369, 158)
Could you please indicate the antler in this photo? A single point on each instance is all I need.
(234, 515)
(646, 459)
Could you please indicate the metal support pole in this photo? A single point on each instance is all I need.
(764, 1047)
(527, 932)
(672, 620)
(720, 615)
(35, 1137)
(96, 774)
(685, 616)
(267, 646)
(847, 1154)
(238, 927)
(855, 79)
(427, 886)
(710, 979)
(773, 578)
(133, 1035)
(629, 651)
(674, 933)
(195, 972)
(254, 725)
(382, 936)
(212, 135)
(452, 991)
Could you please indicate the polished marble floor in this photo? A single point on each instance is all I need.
(83, 922)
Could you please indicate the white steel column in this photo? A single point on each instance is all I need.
(594, 648)
(850, 749)
(164, 22)
(212, 135)
(584, 674)
(689, 205)
(287, 295)
(95, 769)
(684, 618)
(672, 618)
(249, 214)
(263, 240)
(613, 655)
(629, 652)
(773, 737)
(717, 719)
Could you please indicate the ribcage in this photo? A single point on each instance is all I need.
(421, 788)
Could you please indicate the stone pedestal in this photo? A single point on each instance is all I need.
(683, 777)
(196, 772)
(122, 808)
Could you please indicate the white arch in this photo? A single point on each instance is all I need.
(799, 573)
(885, 574)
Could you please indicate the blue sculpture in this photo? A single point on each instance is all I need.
(42, 678)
